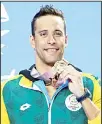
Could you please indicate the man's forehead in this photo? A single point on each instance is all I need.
(49, 20)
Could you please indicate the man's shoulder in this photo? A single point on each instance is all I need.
(90, 76)
(10, 81)
(90, 80)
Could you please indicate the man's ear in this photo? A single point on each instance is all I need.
(66, 41)
(32, 41)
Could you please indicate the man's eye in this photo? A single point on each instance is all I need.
(58, 34)
(43, 34)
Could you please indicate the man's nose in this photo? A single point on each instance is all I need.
(51, 40)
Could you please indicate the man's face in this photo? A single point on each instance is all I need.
(49, 40)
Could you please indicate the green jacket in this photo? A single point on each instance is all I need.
(23, 102)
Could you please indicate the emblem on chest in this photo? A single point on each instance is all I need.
(72, 104)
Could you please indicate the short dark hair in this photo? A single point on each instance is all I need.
(47, 10)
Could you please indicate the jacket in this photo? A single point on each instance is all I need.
(25, 102)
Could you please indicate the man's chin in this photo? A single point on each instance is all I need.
(52, 62)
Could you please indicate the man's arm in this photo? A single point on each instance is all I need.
(95, 103)
(91, 107)
(76, 86)
(4, 115)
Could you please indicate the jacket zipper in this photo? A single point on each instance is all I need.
(50, 104)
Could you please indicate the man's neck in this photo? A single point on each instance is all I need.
(42, 67)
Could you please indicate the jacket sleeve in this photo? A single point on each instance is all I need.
(4, 114)
(97, 100)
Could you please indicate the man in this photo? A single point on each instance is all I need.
(53, 91)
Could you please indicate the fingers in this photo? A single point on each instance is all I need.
(63, 75)
(59, 66)
(63, 71)
(73, 71)
(63, 65)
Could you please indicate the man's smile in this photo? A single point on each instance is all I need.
(51, 50)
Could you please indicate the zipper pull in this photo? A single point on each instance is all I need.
(49, 107)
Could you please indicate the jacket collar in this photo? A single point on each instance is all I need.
(33, 75)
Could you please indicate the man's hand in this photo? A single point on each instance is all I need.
(64, 71)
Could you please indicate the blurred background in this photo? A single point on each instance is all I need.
(83, 20)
